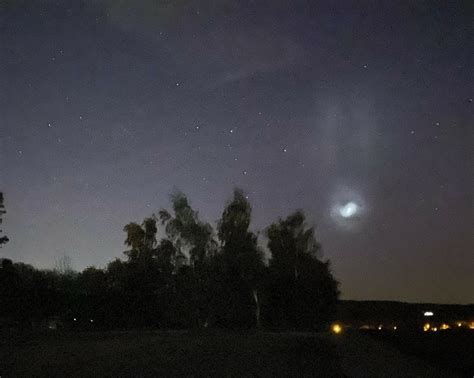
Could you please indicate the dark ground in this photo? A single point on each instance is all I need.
(141, 353)
(452, 350)
(262, 354)
(365, 356)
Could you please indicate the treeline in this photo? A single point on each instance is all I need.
(194, 276)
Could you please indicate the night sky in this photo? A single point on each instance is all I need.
(358, 112)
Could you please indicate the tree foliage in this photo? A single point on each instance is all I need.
(239, 266)
(301, 288)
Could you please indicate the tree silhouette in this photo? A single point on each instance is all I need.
(240, 264)
(63, 265)
(302, 291)
(135, 240)
(92, 300)
(193, 238)
(143, 279)
(291, 242)
(188, 233)
(3, 239)
(186, 278)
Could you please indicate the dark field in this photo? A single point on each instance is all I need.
(142, 353)
(262, 354)
(451, 350)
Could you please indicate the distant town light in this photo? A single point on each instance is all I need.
(428, 313)
(92, 320)
(444, 326)
(394, 328)
(426, 327)
(75, 319)
(459, 324)
(336, 328)
(379, 327)
(471, 325)
(434, 329)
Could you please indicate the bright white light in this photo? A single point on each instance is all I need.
(348, 210)
(428, 313)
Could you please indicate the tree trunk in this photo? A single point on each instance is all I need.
(257, 308)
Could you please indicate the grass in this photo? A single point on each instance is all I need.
(143, 354)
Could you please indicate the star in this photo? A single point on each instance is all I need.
(244, 173)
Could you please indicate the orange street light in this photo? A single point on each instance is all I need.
(336, 328)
